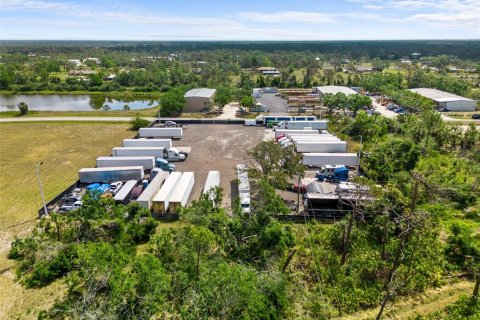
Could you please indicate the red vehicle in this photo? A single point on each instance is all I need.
(294, 188)
(137, 190)
(279, 137)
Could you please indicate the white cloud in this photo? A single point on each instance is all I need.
(288, 16)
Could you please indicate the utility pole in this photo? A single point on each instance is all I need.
(298, 192)
(37, 170)
(359, 154)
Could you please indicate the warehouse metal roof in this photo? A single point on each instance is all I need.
(336, 89)
(200, 92)
(439, 96)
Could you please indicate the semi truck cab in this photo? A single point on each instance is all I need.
(165, 165)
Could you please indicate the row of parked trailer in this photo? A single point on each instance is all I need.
(317, 145)
(166, 190)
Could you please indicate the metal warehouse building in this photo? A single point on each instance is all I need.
(447, 100)
(199, 100)
(333, 90)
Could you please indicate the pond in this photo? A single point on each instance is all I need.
(58, 102)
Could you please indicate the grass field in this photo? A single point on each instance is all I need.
(150, 112)
(63, 148)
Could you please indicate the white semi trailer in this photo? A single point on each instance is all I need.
(159, 143)
(213, 180)
(148, 163)
(322, 159)
(164, 153)
(285, 132)
(90, 175)
(161, 200)
(182, 192)
(145, 199)
(123, 195)
(323, 147)
(160, 132)
(316, 125)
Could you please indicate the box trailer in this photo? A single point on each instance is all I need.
(159, 143)
(90, 175)
(123, 195)
(315, 140)
(160, 132)
(321, 159)
(299, 135)
(161, 200)
(182, 192)
(316, 125)
(148, 163)
(145, 199)
(327, 146)
(250, 122)
(213, 180)
(285, 132)
(164, 153)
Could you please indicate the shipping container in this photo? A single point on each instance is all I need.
(182, 192)
(123, 195)
(321, 159)
(145, 199)
(148, 163)
(159, 143)
(161, 200)
(160, 132)
(322, 147)
(90, 175)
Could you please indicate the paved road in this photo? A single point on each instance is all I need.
(276, 105)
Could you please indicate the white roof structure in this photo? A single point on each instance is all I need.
(200, 93)
(335, 90)
(439, 96)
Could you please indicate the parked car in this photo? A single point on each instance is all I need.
(170, 124)
(115, 187)
(136, 192)
(70, 207)
(476, 116)
(398, 110)
(444, 110)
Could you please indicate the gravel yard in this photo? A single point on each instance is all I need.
(217, 147)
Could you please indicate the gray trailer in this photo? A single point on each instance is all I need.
(321, 159)
(323, 147)
(145, 199)
(148, 163)
(90, 175)
(159, 143)
(164, 153)
(160, 132)
(286, 132)
(123, 195)
(182, 192)
(161, 201)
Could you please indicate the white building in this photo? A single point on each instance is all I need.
(333, 90)
(447, 100)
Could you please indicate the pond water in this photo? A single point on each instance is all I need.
(57, 102)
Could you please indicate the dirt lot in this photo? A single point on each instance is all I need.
(217, 147)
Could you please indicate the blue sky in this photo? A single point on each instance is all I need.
(239, 20)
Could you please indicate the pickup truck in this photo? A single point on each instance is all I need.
(171, 124)
(70, 207)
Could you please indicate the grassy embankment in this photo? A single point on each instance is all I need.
(64, 148)
(150, 112)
